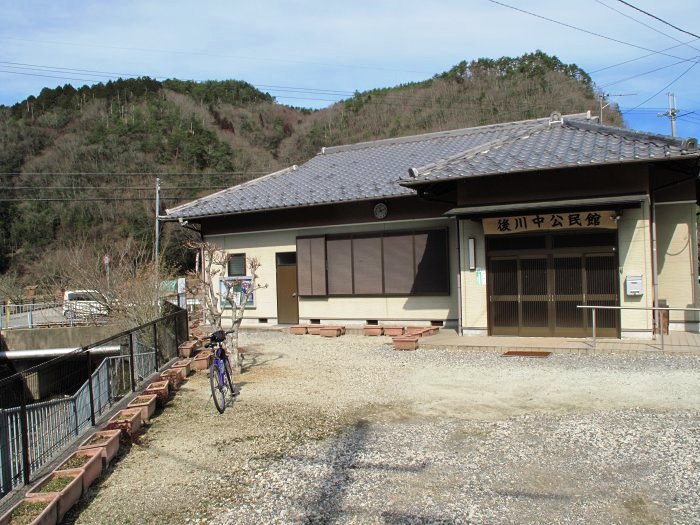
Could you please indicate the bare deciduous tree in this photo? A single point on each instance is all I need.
(236, 292)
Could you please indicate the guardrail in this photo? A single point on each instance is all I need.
(657, 318)
(38, 420)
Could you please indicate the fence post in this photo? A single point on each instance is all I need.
(5, 451)
(92, 396)
(155, 346)
(26, 467)
(132, 370)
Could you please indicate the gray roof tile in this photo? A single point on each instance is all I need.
(379, 169)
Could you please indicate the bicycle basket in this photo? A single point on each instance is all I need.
(218, 336)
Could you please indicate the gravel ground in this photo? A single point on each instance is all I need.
(348, 430)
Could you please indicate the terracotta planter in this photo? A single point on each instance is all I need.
(181, 370)
(127, 420)
(47, 516)
(203, 360)
(185, 364)
(174, 379)
(147, 405)
(107, 441)
(187, 348)
(331, 331)
(92, 468)
(66, 497)
(416, 330)
(298, 329)
(161, 389)
(407, 342)
(314, 329)
(372, 330)
(393, 331)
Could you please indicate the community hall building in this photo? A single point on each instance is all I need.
(505, 229)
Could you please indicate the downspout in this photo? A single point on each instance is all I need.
(654, 265)
(459, 276)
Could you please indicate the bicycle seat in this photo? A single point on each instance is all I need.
(217, 337)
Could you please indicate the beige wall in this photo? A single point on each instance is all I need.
(474, 296)
(265, 245)
(677, 249)
(634, 244)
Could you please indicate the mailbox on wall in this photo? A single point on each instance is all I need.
(633, 285)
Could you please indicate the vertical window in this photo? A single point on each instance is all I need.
(311, 265)
(236, 265)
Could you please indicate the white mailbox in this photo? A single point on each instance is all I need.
(633, 285)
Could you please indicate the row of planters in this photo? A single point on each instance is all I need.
(403, 337)
(47, 502)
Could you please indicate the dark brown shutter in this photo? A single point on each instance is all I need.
(318, 266)
(304, 266)
(367, 265)
(339, 260)
(398, 264)
(432, 268)
(311, 265)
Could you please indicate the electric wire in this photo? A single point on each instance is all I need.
(657, 18)
(663, 88)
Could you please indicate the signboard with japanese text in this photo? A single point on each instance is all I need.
(580, 220)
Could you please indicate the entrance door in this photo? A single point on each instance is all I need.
(287, 302)
(538, 295)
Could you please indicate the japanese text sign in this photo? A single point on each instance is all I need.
(580, 220)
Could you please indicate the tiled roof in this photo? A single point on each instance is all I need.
(564, 144)
(380, 169)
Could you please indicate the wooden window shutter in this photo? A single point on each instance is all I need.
(399, 269)
(432, 266)
(367, 265)
(311, 265)
(339, 260)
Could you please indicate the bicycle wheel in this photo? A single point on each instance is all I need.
(218, 389)
(228, 374)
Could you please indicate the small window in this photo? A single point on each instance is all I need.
(236, 265)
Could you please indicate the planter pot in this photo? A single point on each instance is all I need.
(127, 420)
(92, 468)
(174, 379)
(48, 515)
(187, 348)
(161, 389)
(298, 329)
(203, 360)
(393, 331)
(314, 329)
(185, 364)
(145, 403)
(331, 331)
(408, 342)
(372, 330)
(418, 331)
(181, 370)
(67, 496)
(106, 441)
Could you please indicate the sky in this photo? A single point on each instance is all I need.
(312, 53)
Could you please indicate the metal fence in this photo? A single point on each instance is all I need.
(47, 407)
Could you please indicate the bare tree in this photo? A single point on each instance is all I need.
(236, 291)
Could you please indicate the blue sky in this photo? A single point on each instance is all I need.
(311, 53)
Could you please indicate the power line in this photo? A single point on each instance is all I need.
(642, 74)
(657, 18)
(593, 33)
(664, 88)
(645, 25)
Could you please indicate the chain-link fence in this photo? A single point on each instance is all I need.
(47, 407)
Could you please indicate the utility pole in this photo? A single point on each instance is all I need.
(157, 241)
(671, 113)
(603, 96)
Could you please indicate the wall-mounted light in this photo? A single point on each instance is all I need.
(471, 245)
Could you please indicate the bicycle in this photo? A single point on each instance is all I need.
(220, 372)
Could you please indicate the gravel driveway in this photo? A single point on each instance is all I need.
(348, 430)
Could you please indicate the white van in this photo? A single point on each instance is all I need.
(82, 304)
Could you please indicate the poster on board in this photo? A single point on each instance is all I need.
(238, 287)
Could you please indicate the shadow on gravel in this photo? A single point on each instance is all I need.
(327, 506)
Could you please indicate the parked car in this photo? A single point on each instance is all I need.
(83, 304)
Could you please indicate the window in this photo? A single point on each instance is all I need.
(236, 265)
(391, 263)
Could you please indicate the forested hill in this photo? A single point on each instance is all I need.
(79, 164)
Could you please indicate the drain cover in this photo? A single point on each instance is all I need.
(525, 353)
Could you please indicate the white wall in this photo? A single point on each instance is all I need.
(474, 291)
